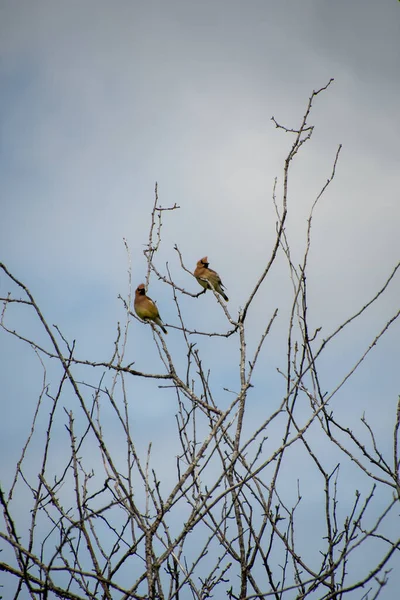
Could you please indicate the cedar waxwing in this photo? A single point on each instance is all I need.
(203, 273)
(146, 309)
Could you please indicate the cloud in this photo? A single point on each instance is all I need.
(99, 101)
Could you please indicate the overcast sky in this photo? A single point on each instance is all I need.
(99, 100)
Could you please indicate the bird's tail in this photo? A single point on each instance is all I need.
(220, 290)
(160, 324)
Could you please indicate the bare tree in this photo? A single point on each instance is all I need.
(104, 522)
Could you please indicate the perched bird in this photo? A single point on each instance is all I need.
(205, 276)
(146, 309)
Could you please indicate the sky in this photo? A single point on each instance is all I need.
(100, 100)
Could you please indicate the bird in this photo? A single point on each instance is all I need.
(145, 308)
(206, 276)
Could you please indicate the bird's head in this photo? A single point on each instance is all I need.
(203, 262)
(141, 290)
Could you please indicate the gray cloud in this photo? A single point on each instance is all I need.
(101, 99)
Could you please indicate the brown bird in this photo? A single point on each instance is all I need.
(146, 309)
(205, 276)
